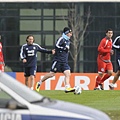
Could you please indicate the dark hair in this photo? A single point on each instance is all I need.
(30, 36)
(109, 29)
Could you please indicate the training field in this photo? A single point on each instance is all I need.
(107, 101)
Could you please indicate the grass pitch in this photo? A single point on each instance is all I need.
(107, 101)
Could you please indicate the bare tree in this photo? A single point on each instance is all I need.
(78, 25)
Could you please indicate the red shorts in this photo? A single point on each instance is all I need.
(2, 67)
(103, 66)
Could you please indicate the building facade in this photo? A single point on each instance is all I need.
(46, 21)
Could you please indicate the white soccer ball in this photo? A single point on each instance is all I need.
(77, 90)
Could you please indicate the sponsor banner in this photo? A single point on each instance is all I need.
(85, 80)
(12, 74)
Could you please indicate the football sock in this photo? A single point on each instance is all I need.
(106, 76)
(31, 88)
(67, 86)
(40, 82)
(98, 79)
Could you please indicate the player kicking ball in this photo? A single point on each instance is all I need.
(60, 60)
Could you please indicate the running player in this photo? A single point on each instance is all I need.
(28, 55)
(104, 60)
(116, 45)
(60, 61)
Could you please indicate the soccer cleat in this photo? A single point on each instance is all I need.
(69, 90)
(101, 86)
(111, 87)
(37, 87)
(96, 89)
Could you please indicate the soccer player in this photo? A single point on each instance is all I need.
(104, 60)
(116, 45)
(2, 64)
(28, 55)
(60, 61)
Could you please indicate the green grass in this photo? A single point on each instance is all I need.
(107, 101)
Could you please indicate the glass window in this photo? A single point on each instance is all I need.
(60, 24)
(117, 9)
(22, 39)
(49, 40)
(48, 12)
(48, 25)
(30, 25)
(93, 38)
(90, 53)
(61, 12)
(101, 23)
(101, 9)
(30, 12)
(117, 24)
(90, 67)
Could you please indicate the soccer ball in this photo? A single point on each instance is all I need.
(77, 90)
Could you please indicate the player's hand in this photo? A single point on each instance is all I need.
(67, 46)
(53, 51)
(24, 60)
(112, 52)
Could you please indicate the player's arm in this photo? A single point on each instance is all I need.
(43, 50)
(116, 43)
(101, 47)
(22, 54)
(62, 45)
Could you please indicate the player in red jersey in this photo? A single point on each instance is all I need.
(2, 64)
(104, 60)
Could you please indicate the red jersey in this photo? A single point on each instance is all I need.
(104, 49)
(1, 54)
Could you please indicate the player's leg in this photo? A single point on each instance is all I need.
(48, 75)
(67, 77)
(116, 77)
(109, 69)
(98, 79)
(32, 81)
(101, 70)
(66, 71)
(32, 72)
(52, 72)
(26, 81)
(2, 67)
(26, 75)
(111, 86)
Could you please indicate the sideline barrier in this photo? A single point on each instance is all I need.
(85, 80)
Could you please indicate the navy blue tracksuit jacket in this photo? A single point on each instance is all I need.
(29, 52)
(62, 50)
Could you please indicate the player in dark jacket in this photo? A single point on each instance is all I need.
(60, 61)
(28, 55)
(116, 45)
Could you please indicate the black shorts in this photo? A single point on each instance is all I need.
(30, 71)
(59, 67)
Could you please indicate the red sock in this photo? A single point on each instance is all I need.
(106, 76)
(98, 79)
